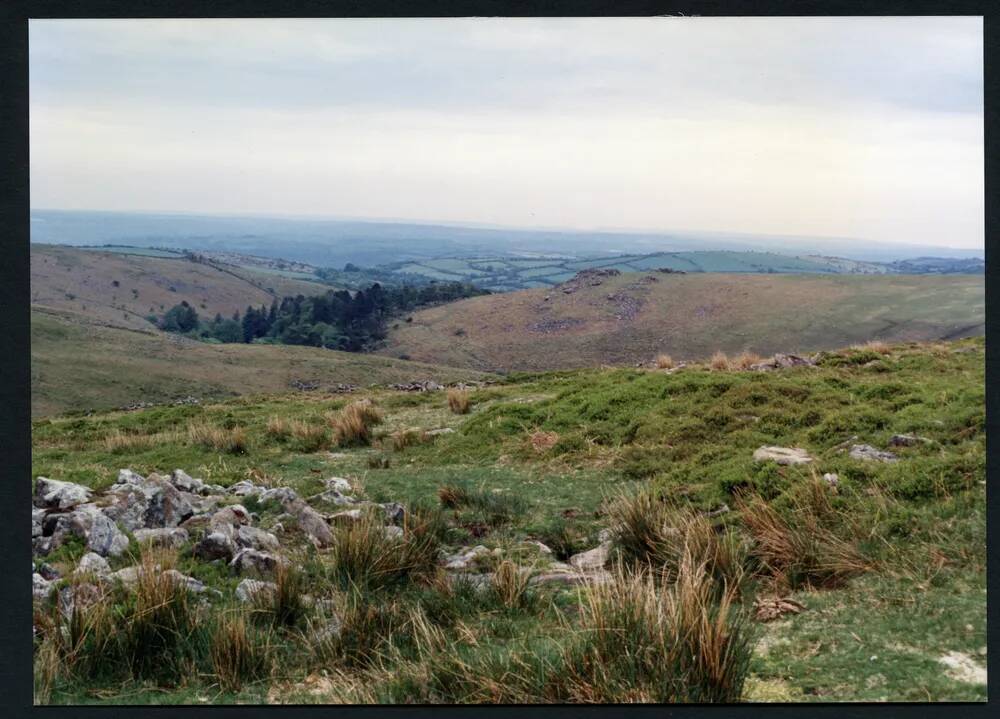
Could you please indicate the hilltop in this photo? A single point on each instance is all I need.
(607, 317)
(122, 286)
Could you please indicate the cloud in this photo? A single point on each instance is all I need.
(869, 127)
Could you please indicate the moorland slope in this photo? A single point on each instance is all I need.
(596, 318)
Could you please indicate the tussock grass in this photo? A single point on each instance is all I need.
(459, 401)
(278, 428)
(664, 361)
(644, 639)
(219, 439)
(495, 508)
(239, 653)
(310, 437)
(719, 361)
(807, 544)
(650, 531)
(286, 606)
(413, 436)
(352, 425)
(119, 442)
(877, 346)
(510, 585)
(744, 360)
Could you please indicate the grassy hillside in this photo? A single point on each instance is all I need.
(77, 364)
(885, 564)
(122, 287)
(632, 317)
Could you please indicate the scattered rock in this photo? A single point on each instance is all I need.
(535, 544)
(311, 522)
(162, 536)
(462, 560)
(93, 563)
(78, 596)
(594, 558)
(255, 538)
(767, 609)
(234, 515)
(425, 386)
(338, 484)
(782, 455)
(907, 440)
(831, 479)
(41, 587)
(186, 483)
(347, 516)
(215, 545)
(250, 561)
(127, 476)
(440, 431)
(86, 521)
(868, 453)
(53, 494)
(394, 512)
(393, 532)
(249, 590)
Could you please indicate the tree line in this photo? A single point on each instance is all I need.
(338, 319)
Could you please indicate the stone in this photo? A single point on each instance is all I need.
(41, 587)
(166, 506)
(535, 544)
(311, 522)
(278, 494)
(250, 589)
(831, 478)
(53, 494)
(215, 545)
(48, 571)
(907, 440)
(394, 512)
(393, 532)
(127, 476)
(570, 579)
(254, 538)
(442, 430)
(128, 507)
(594, 558)
(185, 482)
(93, 563)
(462, 560)
(782, 455)
(37, 516)
(338, 484)
(162, 536)
(78, 596)
(349, 515)
(234, 515)
(250, 561)
(867, 453)
(244, 488)
(189, 583)
(87, 522)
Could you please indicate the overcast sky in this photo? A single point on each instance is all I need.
(858, 127)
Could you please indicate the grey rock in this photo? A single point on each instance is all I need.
(907, 440)
(867, 453)
(278, 494)
(53, 494)
(440, 431)
(37, 516)
(162, 536)
(234, 515)
(41, 587)
(48, 571)
(311, 522)
(254, 538)
(93, 563)
(394, 512)
(782, 455)
(215, 545)
(186, 483)
(594, 558)
(78, 596)
(347, 516)
(250, 561)
(244, 488)
(539, 546)
(338, 484)
(127, 476)
(462, 560)
(249, 590)
(393, 532)
(831, 478)
(166, 506)
(87, 522)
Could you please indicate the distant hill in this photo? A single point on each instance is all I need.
(630, 317)
(121, 286)
(77, 364)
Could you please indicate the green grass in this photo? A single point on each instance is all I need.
(541, 456)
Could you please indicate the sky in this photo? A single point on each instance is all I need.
(870, 128)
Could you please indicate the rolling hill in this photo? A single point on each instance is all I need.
(78, 364)
(622, 318)
(121, 287)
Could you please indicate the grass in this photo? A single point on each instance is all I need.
(891, 564)
(664, 361)
(458, 401)
(352, 426)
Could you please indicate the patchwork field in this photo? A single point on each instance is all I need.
(633, 317)
(858, 575)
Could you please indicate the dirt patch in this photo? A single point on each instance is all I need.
(962, 668)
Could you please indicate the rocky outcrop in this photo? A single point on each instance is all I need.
(867, 453)
(782, 455)
(53, 494)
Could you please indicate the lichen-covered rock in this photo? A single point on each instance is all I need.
(250, 590)
(41, 587)
(462, 560)
(53, 494)
(162, 536)
(78, 596)
(87, 522)
(93, 563)
(186, 483)
(255, 538)
(250, 561)
(594, 558)
(311, 522)
(393, 532)
(867, 453)
(782, 455)
(127, 476)
(339, 484)
(215, 545)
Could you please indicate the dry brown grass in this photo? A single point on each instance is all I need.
(511, 584)
(403, 438)
(542, 441)
(719, 361)
(239, 654)
(310, 437)
(451, 496)
(230, 441)
(877, 346)
(744, 360)
(119, 442)
(664, 361)
(459, 400)
(278, 428)
(808, 545)
(352, 425)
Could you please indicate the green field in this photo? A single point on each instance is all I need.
(550, 457)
